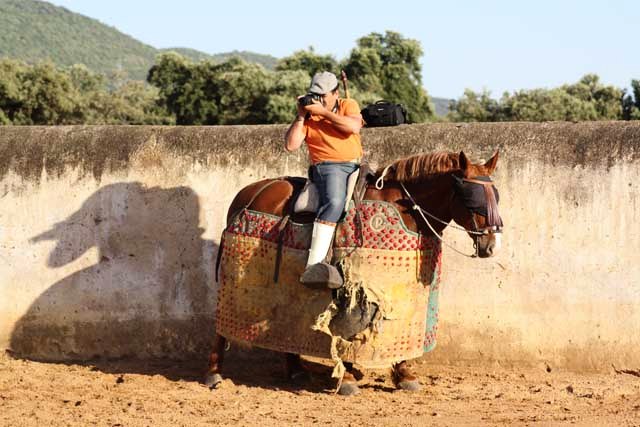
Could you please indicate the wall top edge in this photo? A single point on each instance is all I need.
(94, 150)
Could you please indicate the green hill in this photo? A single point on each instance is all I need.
(268, 61)
(34, 30)
(194, 55)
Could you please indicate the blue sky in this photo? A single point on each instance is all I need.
(492, 44)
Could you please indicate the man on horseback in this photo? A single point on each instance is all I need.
(330, 126)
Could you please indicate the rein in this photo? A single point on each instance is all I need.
(422, 212)
(492, 215)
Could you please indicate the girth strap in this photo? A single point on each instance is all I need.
(281, 226)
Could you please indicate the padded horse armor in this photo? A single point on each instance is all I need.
(397, 269)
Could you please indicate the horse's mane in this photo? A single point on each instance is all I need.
(420, 166)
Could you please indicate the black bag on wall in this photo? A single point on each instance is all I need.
(384, 113)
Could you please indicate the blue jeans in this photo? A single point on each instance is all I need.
(331, 180)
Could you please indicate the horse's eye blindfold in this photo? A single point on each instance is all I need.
(473, 195)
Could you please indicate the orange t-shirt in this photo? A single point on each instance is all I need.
(326, 143)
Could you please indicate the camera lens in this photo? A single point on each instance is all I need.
(308, 99)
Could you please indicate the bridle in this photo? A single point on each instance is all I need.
(494, 222)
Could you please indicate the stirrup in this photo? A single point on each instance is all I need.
(322, 275)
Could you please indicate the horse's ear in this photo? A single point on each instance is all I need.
(464, 163)
(490, 165)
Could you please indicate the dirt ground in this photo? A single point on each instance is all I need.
(161, 392)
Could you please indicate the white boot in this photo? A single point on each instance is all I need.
(318, 273)
(321, 238)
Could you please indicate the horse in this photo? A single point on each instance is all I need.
(429, 191)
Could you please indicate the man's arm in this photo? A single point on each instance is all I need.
(295, 134)
(345, 124)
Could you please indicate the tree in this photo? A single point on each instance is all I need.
(10, 89)
(232, 92)
(387, 66)
(45, 96)
(473, 107)
(176, 81)
(605, 100)
(588, 99)
(116, 99)
(285, 87)
(631, 102)
(540, 105)
(309, 61)
(42, 94)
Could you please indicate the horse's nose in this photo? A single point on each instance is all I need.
(490, 248)
(493, 246)
(496, 243)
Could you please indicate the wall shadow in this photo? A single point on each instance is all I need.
(150, 295)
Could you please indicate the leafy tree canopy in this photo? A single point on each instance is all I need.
(309, 61)
(631, 102)
(234, 92)
(42, 94)
(588, 99)
(387, 66)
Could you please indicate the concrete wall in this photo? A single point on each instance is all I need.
(108, 237)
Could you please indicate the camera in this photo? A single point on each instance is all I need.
(308, 99)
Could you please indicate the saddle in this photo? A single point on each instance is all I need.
(306, 199)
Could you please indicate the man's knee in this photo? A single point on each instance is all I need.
(332, 210)
(335, 203)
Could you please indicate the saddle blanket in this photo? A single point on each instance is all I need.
(397, 269)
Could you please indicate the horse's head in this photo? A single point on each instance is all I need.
(475, 204)
(448, 186)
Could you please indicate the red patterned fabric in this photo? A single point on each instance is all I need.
(388, 249)
(382, 229)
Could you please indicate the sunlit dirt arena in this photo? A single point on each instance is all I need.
(162, 392)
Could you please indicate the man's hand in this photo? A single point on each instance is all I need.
(316, 109)
(301, 110)
(294, 136)
(345, 124)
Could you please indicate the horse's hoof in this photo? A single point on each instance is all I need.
(321, 276)
(348, 389)
(409, 385)
(213, 381)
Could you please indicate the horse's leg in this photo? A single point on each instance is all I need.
(349, 385)
(295, 372)
(213, 377)
(403, 378)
